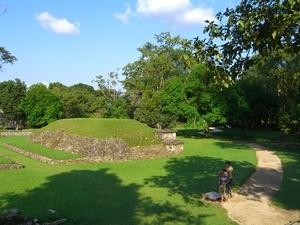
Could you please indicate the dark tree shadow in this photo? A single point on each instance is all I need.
(168, 213)
(194, 175)
(93, 198)
(189, 133)
(231, 145)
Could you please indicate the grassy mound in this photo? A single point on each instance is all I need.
(132, 132)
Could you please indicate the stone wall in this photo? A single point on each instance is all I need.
(47, 160)
(94, 149)
(10, 166)
(111, 149)
(15, 133)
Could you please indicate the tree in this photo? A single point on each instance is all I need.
(284, 68)
(12, 93)
(254, 27)
(79, 100)
(41, 106)
(146, 77)
(193, 99)
(113, 102)
(206, 97)
(6, 57)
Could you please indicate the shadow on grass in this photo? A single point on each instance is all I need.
(193, 176)
(230, 145)
(94, 198)
(190, 133)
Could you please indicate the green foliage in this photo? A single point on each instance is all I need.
(119, 108)
(262, 102)
(114, 104)
(194, 99)
(146, 77)
(41, 106)
(79, 100)
(6, 57)
(132, 132)
(11, 95)
(253, 27)
(162, 191)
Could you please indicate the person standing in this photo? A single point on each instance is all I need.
(223, 180)
(229, 170)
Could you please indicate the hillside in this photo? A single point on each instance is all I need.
(132, 132)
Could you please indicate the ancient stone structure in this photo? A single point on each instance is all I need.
(99, 150)
(168, 137)
(166, 134)
(14, 133)
(9, 166)
(112, 149)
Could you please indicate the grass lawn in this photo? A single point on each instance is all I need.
(160, 191)
(4, 160)
(25, 143)
(287, 196)
(132, 132)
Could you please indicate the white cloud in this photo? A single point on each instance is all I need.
(124, 17)
(57, 25)
(156, 7)
(197, 16)
(180, 12)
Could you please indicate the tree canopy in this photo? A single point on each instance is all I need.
(253, 28)
(12, 93)
(6, 57)
(41, 106)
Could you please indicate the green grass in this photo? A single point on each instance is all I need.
(131, 131)
(288, 151)
(26, 144)
(160, 191)
(4, 160)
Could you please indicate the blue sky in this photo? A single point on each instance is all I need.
(74, 41)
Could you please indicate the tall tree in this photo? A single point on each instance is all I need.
(168, 57)
(79, 100)
(112, 101)
(12, 92)
(41, 106)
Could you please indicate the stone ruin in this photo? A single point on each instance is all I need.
(168, 137)
(112, 149)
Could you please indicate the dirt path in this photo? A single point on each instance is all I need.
(251, 204)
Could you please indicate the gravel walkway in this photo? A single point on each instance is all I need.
(251, 204)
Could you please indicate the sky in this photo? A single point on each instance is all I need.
(73, 41)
